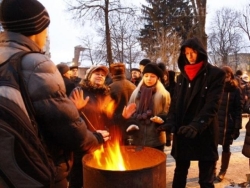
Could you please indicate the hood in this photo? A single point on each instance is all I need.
(195, 44)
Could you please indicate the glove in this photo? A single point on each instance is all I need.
(188, 131)
(236, 134)
(164, 127)
(132, 128)
(156, 119)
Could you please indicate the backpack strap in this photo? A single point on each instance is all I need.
(15, 61)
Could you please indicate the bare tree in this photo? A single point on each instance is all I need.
(124, 34)
(244, 21)
(98, 10)
(166, 48)
(225, 37)
(93, 51)
(199, 10)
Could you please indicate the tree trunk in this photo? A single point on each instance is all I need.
(107, 31)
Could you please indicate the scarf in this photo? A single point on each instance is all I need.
(192, 70)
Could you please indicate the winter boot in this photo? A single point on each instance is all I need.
(224, 165)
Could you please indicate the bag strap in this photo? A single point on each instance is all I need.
(16, 63)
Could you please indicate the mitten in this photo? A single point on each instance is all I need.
(188, 131)
(132, 128)
(236, 134)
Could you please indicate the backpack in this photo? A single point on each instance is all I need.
(24, 161)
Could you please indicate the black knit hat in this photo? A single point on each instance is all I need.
(63, 68)
(145, 62)
(153, 68)
(135, 69)
(28, 17)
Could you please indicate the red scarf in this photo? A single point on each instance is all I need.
(192, 70)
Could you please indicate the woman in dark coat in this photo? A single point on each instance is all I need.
(193, 114)
(230, 119)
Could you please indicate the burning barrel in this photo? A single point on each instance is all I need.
(145, 168)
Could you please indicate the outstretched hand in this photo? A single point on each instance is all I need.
(128, 110)
(105, 134)
(77, 97)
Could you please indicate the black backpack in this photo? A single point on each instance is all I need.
(24, 161)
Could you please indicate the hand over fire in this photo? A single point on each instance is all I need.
(105, 134)
(77, 97)
(128, 110)
(132, 128)
(156, 119)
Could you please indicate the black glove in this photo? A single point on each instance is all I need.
(188, 131)
(164, 127)
(236, 134)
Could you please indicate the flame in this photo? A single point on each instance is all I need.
(109, 106)
(110, 157)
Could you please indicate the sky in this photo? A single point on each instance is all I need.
(65, 33)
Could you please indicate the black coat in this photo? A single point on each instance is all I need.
(196, 103)
(229, 113)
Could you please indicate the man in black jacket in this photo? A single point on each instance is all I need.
(193, 114)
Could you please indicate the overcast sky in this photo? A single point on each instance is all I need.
(65, 34)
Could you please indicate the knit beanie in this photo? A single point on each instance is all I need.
(153, 68)
(135, 69)
(144, 62)
(117, 69)
(94, 68)
(63, 68)
(28, 17)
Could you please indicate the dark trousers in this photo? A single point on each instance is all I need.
(206, 174)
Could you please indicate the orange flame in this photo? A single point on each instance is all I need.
(109, 107)
(110, 157)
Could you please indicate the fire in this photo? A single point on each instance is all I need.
(110, 157)
(109, 106)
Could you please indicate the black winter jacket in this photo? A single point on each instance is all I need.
(196, 103)
(229, 113)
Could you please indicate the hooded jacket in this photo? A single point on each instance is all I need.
(196, 103)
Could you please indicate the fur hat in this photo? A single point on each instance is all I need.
(28, 17)
(228, 70)
(94, 68)
(135, 69)
(63, 68)
(153, 68)
(245, 78)
(144, 62)
(117, 69)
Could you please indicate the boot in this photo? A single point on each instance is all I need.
(224, 165)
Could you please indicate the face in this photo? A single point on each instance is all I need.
(135, 74)
(74, 72)
(149, 79)
(228, 77)
(40, 38)
(191, 55)
(165, 77)
(141, 67)
(67, 74)
(98, 77)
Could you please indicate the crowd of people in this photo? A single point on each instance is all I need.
(192, 112)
